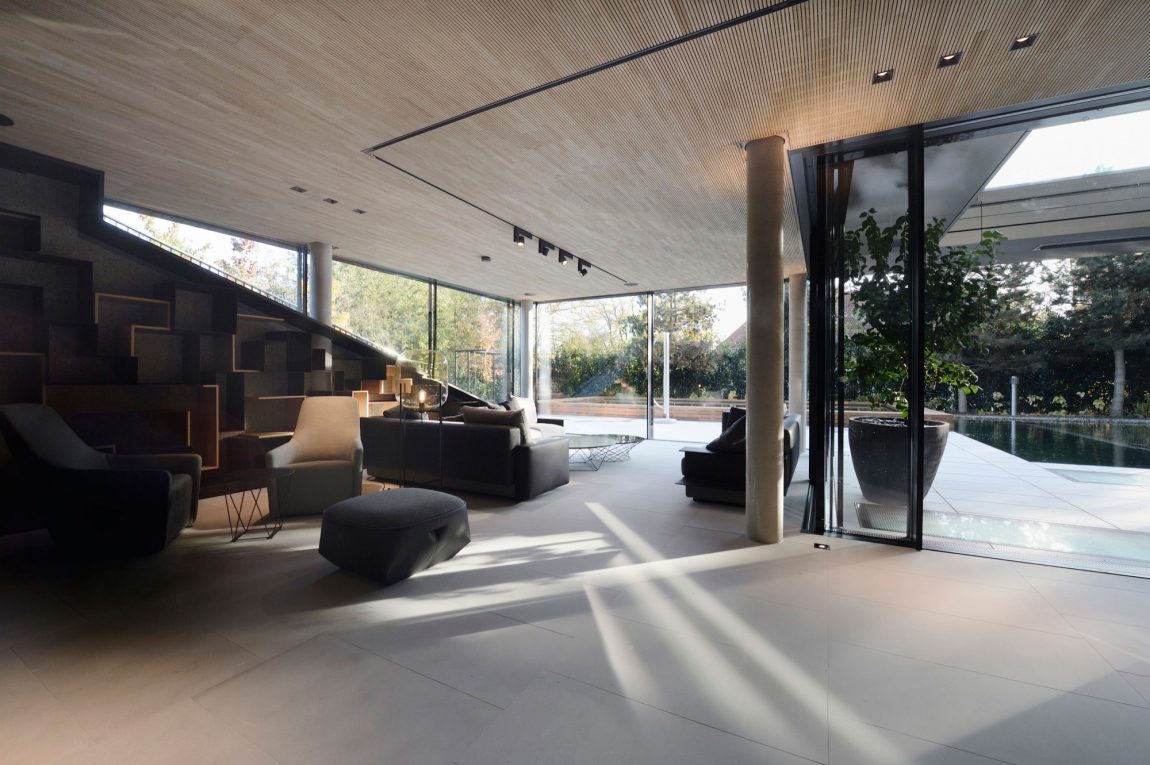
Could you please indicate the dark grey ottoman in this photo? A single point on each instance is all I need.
(390, 535)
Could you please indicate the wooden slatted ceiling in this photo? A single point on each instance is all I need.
(212, 109)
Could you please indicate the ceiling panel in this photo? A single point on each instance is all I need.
(212, 109)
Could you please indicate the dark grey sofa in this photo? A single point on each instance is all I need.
(485, 459)
(722, 476)
(94, 504)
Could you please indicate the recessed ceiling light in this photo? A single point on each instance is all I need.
(358, 211)
(1018, 43)
(630, 284)
(883, 75)
(331, 201)
(950, 59)
(528, 294)
(485, 258)
(297, 189)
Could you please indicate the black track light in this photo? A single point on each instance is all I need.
(545, 247)
(881, 76)
(583, 267)
(564, 256)
(520, 236)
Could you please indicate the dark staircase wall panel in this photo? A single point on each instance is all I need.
(159, 357)
(66, 284)
(58, 204)
(72, 358)
(22, 378)
(274, 384)
(116, 314)
(232, 393)
(200, 309)
(23, 328)
(288, 352)
(19, 231)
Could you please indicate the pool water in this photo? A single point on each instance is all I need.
(1108, 444)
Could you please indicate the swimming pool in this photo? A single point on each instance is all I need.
(1073, 442)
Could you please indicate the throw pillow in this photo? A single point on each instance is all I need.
(733, 440)
(477, 415)
(525, 405)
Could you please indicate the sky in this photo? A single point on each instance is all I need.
(1078, 148)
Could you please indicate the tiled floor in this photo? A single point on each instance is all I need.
(610, 621)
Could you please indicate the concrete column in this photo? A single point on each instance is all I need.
(319, 281)
(797, 342)
(526, 381)
(543, 359)
(766, 167)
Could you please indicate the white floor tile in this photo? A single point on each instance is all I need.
(1003, 719)
(328, 701)
(483, 654)
(558, 721)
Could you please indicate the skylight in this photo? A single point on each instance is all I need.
(1102, 145)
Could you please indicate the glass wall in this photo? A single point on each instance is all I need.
(271, 269)
(699, 365)
(987, 285)
(473, 335)
(591, 364)
(390, 311)
(1047, 234)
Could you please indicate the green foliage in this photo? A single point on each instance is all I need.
(1107, 300)
(387, 309)
(961, 289)
(588, 359)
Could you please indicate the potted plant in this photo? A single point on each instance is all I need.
(961, 287)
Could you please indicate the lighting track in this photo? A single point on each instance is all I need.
(483, 210)
(698, 33)
(719, 27)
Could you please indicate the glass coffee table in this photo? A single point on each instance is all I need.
(590, 452)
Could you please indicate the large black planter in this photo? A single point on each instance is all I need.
(880, 451)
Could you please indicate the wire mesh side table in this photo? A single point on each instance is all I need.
(248, 504)
(589, 452)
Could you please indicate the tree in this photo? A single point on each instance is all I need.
(271, 269)
(961, 288)
(171, 233)
(389, 310)
(1106, 301)
(690, 319)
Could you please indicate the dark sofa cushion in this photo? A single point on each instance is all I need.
(733, 440)
(474, 415)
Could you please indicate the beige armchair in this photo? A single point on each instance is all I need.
(324, 457)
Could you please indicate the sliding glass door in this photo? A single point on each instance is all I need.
(866, 346)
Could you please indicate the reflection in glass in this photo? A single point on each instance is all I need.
(591, 358)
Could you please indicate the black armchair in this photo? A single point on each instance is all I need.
(95, 503)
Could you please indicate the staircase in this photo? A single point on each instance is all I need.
(192, 361)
